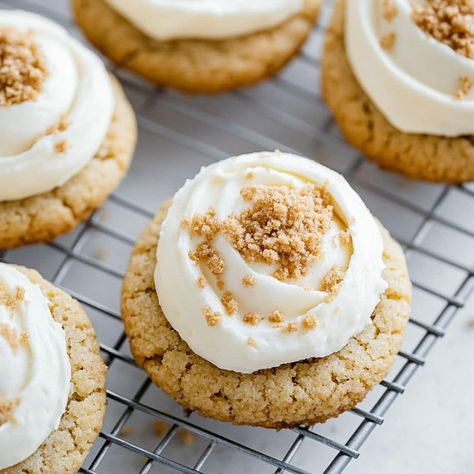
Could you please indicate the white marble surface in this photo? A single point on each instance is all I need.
(428, 430)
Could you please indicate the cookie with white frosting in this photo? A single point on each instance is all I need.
(52, 384)
(265, 293)
(67, 131)
(198, 46)
(398, 76)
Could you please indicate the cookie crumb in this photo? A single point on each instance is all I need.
(22, 67)
(19, 294)
(252, 318)
(7, 407)
(290, 327)
(332, 281)
(62, 146)
(388, 41)
(160, 428)
(449, 21)
(248, 281)
(465, 85)
(212, 317)
(309, 322)
(202, 282)
(229, 303)
(126, 431)
(7, 299)
(276, 317)
(390, 10)
(251, 342)
(186, 437)
(220, 283)
(61, 126)
(249, 175)
(10, 335)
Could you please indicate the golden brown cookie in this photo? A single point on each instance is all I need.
(195, 65)
(434, 158)
(304, 392)
(45, 216)
(65, 449)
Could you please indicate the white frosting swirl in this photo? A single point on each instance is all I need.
(205, 19)
(36, 374)
(226, 344)
(414, 82)
(77, 85)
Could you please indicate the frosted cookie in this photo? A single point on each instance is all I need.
(67, 131)
(266, 294)
(52, 384)
(199, 46)
(398, 76)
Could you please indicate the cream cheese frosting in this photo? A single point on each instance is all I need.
(413, 80)
(205, 19)
(77, 90)
(187, 290)
(35, 371)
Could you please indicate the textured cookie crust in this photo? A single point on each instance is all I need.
(434, 158)
(305, 392)
(46, 216)
(195, 65)
(65, 449)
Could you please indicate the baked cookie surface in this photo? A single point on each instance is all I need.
(64, 450)
(434, 158)
(304, 392)
(48, 215)
(195, 65)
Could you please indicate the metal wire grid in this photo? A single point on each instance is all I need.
(430, 332)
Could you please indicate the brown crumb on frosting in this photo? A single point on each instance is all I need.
(290, 327)
(212, 317)
(252, 318)
(251, 342)
(284, 227)
(345, 237)
(248, 281)
(276, 317)
(22, 67)
(59, 127)
(388, 41)
(449, 21)
(202, 282)
(249, 175)
(11, 300)
(229, 303)
(332, 281)
(7, 407)
(220, 283)
(465, 85)
(390, 10)
(62, 146)
(309, 322)
(19, 294)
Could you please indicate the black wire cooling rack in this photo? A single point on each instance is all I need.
(178, 134)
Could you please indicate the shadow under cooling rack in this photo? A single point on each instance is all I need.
(179, 134)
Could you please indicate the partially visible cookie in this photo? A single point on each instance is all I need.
(195, 65)
(434, 158)
(304, 392)
(65, 449)
(46, 216)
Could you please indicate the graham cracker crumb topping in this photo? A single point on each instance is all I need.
(252, 318)
(449, 21)
(465, 85)
(229, 303)
(290, 327)
(22, 67)
(388, 41)
(283, 227)
(7, 407)
(248, 281)
(212, 317)
(11, 300)
(332, 281)
(390, 10)
(251, 342)
(61, 126)
(202, 282)
(276, 317)
(309, 322)
(62, 146)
